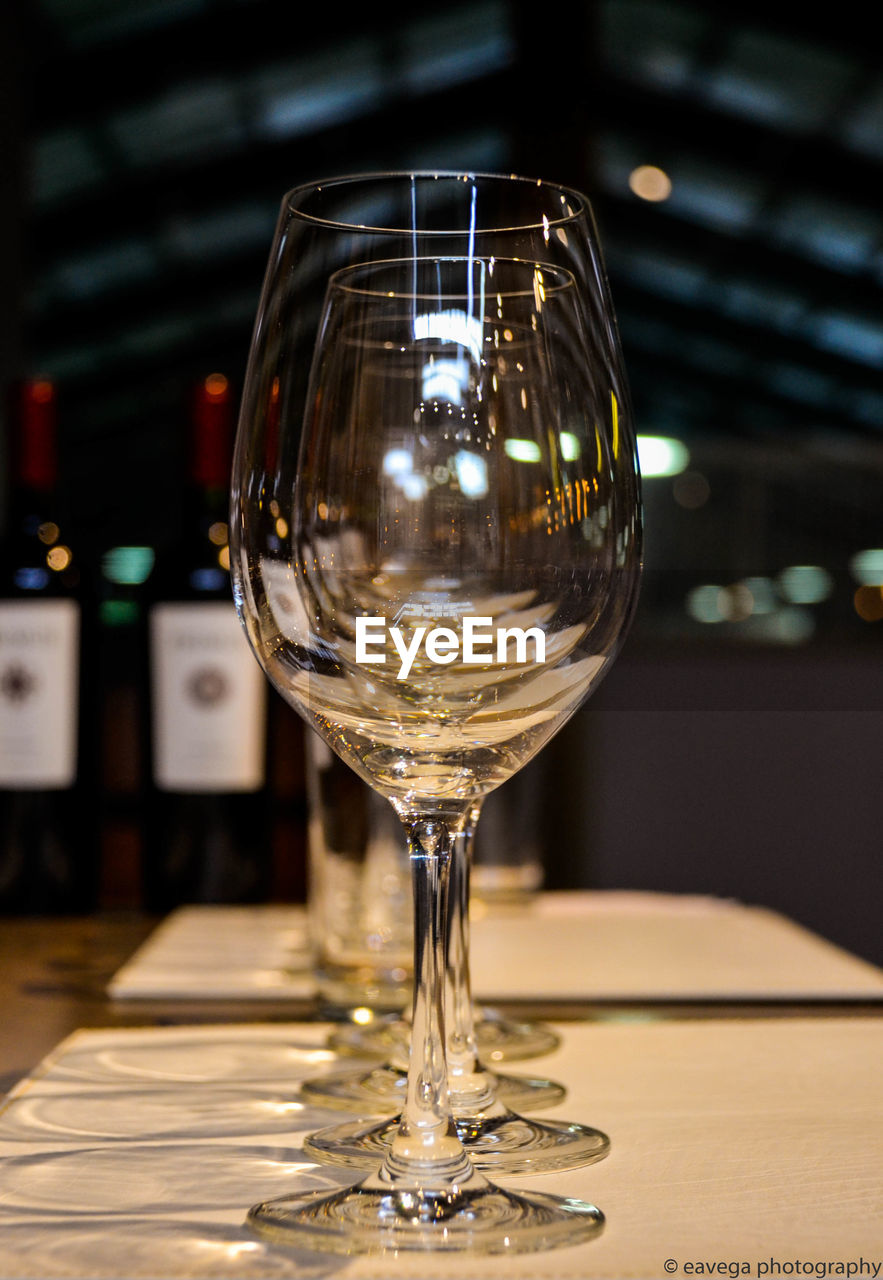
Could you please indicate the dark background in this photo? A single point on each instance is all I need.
(735, 748)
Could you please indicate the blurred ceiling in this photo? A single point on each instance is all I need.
(161, 134)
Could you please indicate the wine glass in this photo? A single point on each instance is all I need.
(437, 576)
(481, 1100)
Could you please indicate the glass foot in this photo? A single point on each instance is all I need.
(383, 1090)
(499, 1038)
(503, 1144)
(473, 1216)
(502, 1039)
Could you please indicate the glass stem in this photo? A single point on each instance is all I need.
(471, 1088)
(426, 1150)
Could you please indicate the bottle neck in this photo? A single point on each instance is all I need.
(32, 440)
(211, 436)
(38, 557)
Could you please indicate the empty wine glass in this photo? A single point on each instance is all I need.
(436, 546)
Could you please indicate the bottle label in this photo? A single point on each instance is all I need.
(209, 700)
(39, 665)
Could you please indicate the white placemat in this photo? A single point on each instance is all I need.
(652, 946)
(755, 1145)
(574, 946)
(223, 953)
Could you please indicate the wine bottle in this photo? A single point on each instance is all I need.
(207, 816)
(48, 832)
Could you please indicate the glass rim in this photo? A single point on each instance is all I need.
(547, 277)
(580, 201)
